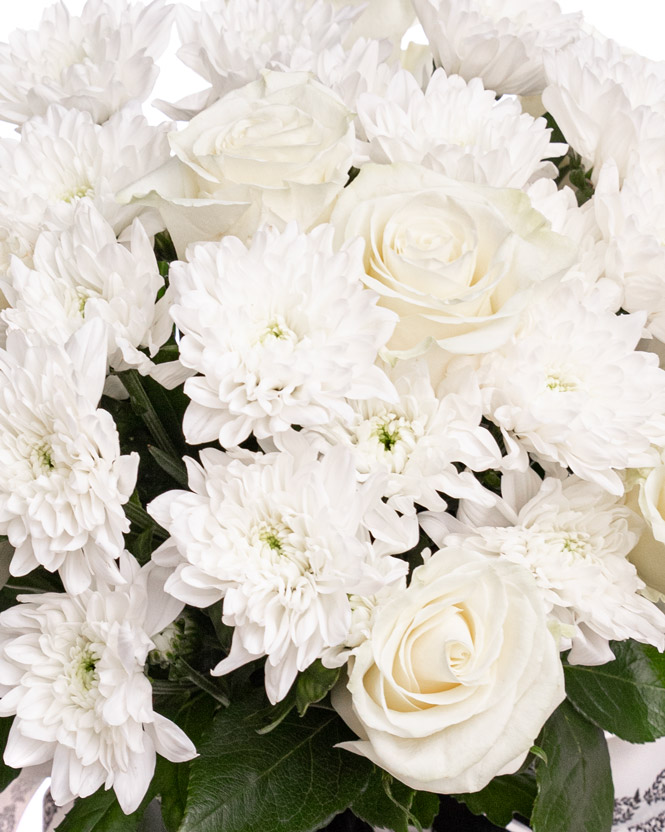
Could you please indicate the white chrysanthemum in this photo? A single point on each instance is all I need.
(228, 44)
(627, 225)
(71, 669)
(590, 274)
(364, 609)
(361, 69)
(231, 45)
(64, 481)
(84, 273)
(559, 206)
(282, 332)
(457, 128)
(17, 239)
(609, 104)
(416, 440)
(573, 390)
(388, 19)
(574, 537)
(502, 43)
(96, 62)
(284, 539)
(64, 157)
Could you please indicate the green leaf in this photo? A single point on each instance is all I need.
(142, 545)
(169, 352)
(140, 518)
(7, 774)
(491, 480)
(414, 557)
(575, 791)
(274, 715)
(169, 404)
(223, 632)
(394, 807)
(376, 808)
(313, 684)
(582, 182)
(143, 406)
(88, 813)
(171, 779)
(425, 807)
(101, 812)
(626, 696)
(291, 780)
(164, 248)
(557, 135)
(503, 798)
(537, 751)
(173, 466)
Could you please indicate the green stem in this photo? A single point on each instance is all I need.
(164, 688)
(203, 682)
(31, 589)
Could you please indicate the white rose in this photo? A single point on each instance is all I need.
(455, 260)
(276, 150)
(458, 676)
(648, 499)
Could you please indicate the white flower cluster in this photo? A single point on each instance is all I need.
(96, 62)
(229, 44)
(276, 346)
(285, 542)
(609, 104)
(574, 537)
(82, 295)
(65, 480)
(395, 325)
(71, 670)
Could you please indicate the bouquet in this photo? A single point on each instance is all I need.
(332, 426)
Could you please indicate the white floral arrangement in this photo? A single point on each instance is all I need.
(332, 425)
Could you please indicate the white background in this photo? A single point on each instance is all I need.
(638, 24)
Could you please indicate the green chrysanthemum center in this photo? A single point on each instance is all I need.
(388, 435)
(41, 458)
(560, 384)
(77, 192)
(272, 541)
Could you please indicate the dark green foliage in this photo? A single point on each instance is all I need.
(575, 790)
(503, 798)
(290, 780)
(626, 696)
